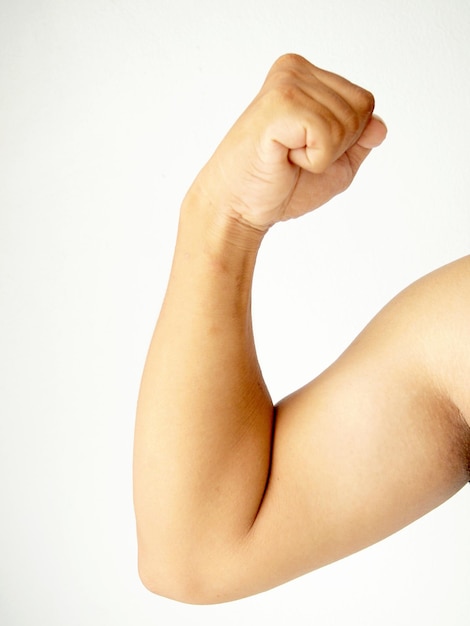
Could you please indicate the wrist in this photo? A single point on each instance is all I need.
(215, 254)
(222, 230)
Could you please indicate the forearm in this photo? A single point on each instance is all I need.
(203, 431)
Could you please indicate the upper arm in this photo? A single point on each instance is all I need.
(376, 441)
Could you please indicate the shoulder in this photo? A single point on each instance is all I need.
(422, 339)
(437, 310)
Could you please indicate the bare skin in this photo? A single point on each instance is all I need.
(234, 496)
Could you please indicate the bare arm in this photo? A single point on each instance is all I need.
(233, 496)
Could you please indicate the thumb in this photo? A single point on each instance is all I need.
(372, 136)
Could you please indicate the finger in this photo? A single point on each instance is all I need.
(351, 105)
(312, 135)
(323, 114)
(327, 88)
(307, 75)
(373, 135)
(347, 111)
(359, 99)
(311, 159)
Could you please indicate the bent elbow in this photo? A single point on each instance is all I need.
(180, 589)
(181, 583)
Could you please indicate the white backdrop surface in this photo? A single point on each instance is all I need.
(108, 108)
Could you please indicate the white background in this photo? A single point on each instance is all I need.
(108, 108)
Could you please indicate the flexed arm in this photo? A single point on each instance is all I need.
(230, 498)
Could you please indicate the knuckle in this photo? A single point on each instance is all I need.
(285, 93)
(366, 100)
(289, 68)
(290, 60)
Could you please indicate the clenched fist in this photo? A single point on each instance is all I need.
(299, 143)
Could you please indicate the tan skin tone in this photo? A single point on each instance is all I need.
(234, 496)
